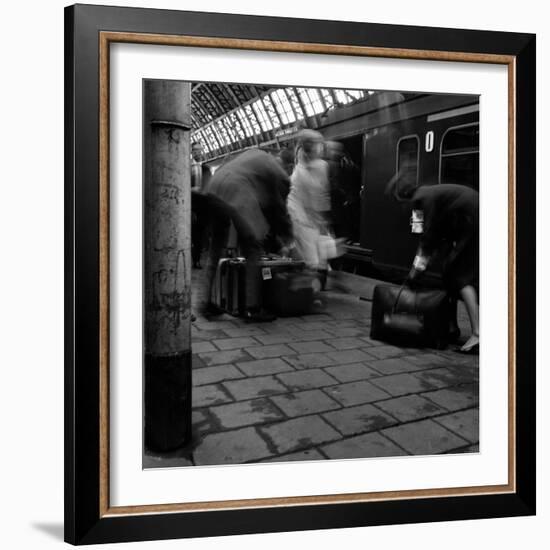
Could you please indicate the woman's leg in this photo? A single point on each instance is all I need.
(469, 296)
(454, 329)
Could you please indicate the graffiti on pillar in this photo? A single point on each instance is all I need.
(169, 290)
(170, 293)
(170, 192)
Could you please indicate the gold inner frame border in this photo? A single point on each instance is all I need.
(105, 40)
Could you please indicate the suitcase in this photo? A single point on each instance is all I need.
(272, 265)
(230, 283)
(414, 318)
(275, 273)
(289, 293)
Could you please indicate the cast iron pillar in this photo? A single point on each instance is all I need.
(167, 272)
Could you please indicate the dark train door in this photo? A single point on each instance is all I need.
(385, 229)
(352, 166)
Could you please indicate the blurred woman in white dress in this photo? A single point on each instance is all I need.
(309, 200)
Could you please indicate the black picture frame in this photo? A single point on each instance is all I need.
(86, 521)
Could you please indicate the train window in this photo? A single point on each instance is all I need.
(407, 163)
(460, 140)
(460, 156)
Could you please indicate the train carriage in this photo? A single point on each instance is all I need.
(434, 136)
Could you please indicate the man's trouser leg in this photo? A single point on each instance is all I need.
(253, 291)
(219, 231)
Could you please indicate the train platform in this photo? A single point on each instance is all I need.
(318, 387)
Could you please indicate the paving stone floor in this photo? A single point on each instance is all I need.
(317, 387)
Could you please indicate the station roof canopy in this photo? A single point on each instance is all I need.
(212, 100)
(228, 117)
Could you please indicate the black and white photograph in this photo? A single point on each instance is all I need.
(278, 270)
(310, 273)
(275, 275)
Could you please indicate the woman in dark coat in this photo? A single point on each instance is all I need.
(451, 229)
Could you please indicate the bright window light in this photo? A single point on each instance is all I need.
(251, 117)
(295, 102)
(270, 110)
(245, 122)
(280, 99)
(262, 115)
(311, 96)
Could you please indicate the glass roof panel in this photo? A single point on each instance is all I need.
(220, 132)
(198, 136)
(327, 97)
(270, 110)
(315, 100)
(235, 125)
(341, 97)
(294, 101)
(211, 138)
(262, 115)
(357, 94)
(229, 130)
(245, 122)
(283, 106)
(252, 118)
(306, 101)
